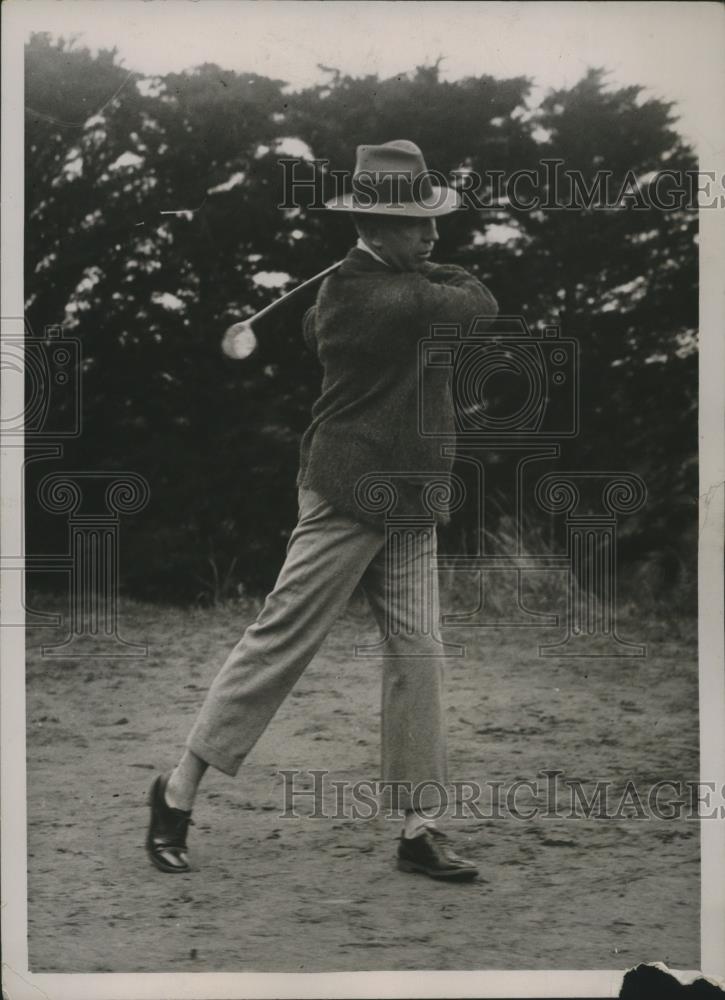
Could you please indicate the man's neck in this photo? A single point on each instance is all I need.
(362, 245)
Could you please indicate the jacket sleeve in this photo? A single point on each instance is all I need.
(384, 311)
(456, 289)
(444, 293)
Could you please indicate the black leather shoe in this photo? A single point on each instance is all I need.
(430, 855)
(166, 840)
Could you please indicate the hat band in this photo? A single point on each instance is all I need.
(391, 189)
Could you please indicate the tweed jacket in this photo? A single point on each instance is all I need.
(365, 328)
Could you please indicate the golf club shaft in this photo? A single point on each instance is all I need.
(292, 293)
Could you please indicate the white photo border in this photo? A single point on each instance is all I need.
(20, 983)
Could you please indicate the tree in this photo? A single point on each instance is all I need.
(153, 221)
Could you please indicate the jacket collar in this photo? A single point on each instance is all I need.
(360, 260)
(362, 245)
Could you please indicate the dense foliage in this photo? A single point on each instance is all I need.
(152, 204)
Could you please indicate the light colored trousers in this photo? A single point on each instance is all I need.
(328, 555)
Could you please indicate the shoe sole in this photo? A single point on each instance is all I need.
(162, 867)
(457, 875)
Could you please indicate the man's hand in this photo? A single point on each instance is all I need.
(445, 274)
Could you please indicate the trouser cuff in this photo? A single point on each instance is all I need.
(213, 757)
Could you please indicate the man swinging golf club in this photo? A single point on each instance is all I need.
(365, 327)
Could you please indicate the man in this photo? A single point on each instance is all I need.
(365, 327)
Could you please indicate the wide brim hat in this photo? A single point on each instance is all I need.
(392, 179)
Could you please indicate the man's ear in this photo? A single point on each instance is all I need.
(375, 239)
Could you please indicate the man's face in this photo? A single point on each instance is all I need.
(406, 244)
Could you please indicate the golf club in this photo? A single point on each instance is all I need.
(240, 340)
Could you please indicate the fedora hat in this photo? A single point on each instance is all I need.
(393, 179)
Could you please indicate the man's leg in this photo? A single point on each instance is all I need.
(413, 726)
(402, 589)
(327, 555)
(184, 781)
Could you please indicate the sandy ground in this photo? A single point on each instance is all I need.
(281, 894)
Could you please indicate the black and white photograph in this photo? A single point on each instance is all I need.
(362, 499)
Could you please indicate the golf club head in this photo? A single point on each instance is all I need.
(239, 341)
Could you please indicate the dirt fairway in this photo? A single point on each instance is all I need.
(281, 894)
